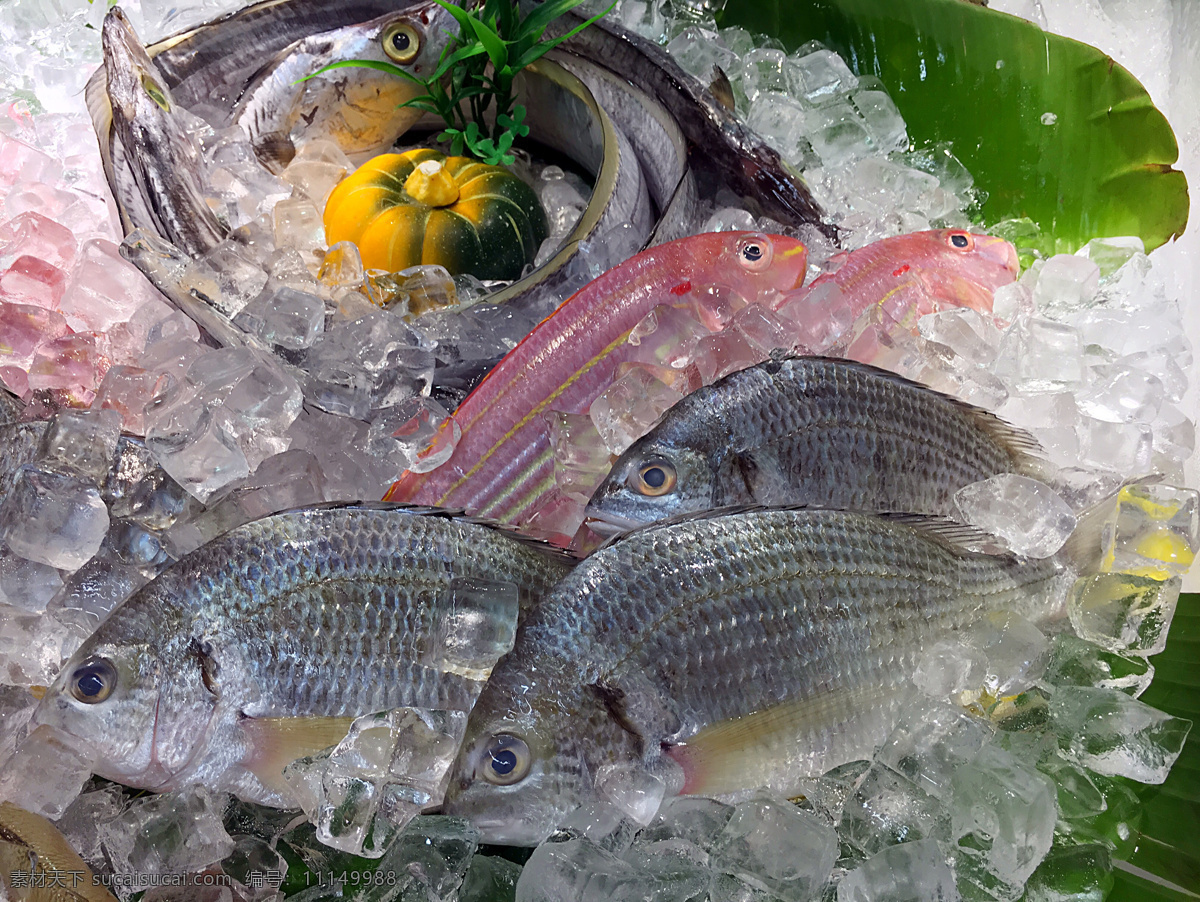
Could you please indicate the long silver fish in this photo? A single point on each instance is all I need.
(811, 431)
(747, 650)
(262, 645)
(156, 161)
(353, 106)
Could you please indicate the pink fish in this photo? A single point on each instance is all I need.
(898, 280)
(503, 465)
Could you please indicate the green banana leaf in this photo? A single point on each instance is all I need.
(1169, 845)
(983, 80)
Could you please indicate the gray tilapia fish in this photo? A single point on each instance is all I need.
(261, 646)
(816, 432)
(730, 653)
(155, 160)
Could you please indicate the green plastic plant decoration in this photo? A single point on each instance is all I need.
(1052, 129)
(478, 68)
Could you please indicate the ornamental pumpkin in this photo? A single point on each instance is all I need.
(404, 209)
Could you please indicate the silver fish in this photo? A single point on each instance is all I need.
(353, 106)
(811, 431)
(155, 161)
(260, 646)
(739, 651)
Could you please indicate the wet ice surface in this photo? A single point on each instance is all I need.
(1007, 757)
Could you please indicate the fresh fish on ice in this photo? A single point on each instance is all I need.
(264, 644)
(728, 653)
(810, 431)
(503, 466)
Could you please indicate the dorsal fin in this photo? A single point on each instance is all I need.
(955, 535)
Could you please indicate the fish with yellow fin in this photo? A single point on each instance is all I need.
(727, 653)
(263, 645)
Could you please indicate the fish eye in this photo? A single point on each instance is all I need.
(155, 92)
(93, 681)
(506, 760)
(653, 478)
(401, 42)
(960, 240)
(754, 252)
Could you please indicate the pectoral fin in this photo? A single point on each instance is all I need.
(749, 751)
(275, 742)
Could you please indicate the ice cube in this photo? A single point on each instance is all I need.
(886, 809)
(82, 441)
(838, 134)
(776, 847)
(298, 226)
(26, 584)
(909, 872)
(1076, 662)
(763, 69)
(1048, 356)
(729, 219)
(580, 459)
(105, 288)
(73, 364)
(173, 833)
(203, 456)
(1071, 873)
(723, 353)
(1002, 821)
(964, 331)
(250, 863)
(577, 869)
(32, 281)
(37, 236)
(632, 789)
(315, 179)
(126, 390)
(1066, 283)
(44, 774)
(80, 823)
(667, 335)
(286, 318)
(1123, 395)
(225, 278)
(53, 518)
(431, 855)
(818, 76)
(1111, 733)
(930, 742)
(884, 122)
(692, 818)
(1015, 649)
(626, 410)
(697, 50)
(1110, 254)
(410, 427)
(1123, 612)
(783, 122)
(1155, 531)
(489, 878)
(1123, 447)
(602, 824)
(821, 316)
(1027, 514)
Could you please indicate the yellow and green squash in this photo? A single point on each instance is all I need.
(404, 209)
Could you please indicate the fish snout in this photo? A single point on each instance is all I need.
(1000, 251)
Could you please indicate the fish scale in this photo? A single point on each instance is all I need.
(255, 648)
(815, 431)
(794, 632)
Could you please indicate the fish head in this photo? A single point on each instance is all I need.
(657, 477)
(292, 101)
(122, 699)
(135, 86)
(756, 265)
(986, 260)
(530, 756)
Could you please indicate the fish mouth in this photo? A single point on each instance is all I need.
(1002, 252)
(608, 524)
